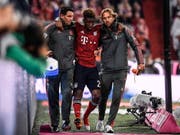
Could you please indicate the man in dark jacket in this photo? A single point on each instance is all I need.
(114, 40)
(61, 43)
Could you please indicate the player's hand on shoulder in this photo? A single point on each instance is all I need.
(59, 24)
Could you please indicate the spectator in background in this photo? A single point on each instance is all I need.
(105, 4)
(27, 48)
(137, 11)
(61, 43)
(142, 35)
(78, 6)
(56, 8)
(22, 5)
(175, 9)
(94, 4)
(36, 9)
(125, 12)
(137, 7)
(136, 17)
(114, 41)
(78, 9)
(48, 10)
(115, 4)
(9, 20)
(26, 45)
(175, 33)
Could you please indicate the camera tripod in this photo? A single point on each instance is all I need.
(140, 114)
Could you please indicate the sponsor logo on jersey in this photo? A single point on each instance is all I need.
(84, 40)
(95, 33)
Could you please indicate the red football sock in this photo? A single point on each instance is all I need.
(89, 109)
(77, 109)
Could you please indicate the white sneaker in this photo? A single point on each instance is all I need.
(86, 123)
(88, 128)
(109, 129)
(100, 126)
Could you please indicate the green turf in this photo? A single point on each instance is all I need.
(122, 123)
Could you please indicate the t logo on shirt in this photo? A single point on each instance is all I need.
(84, 40)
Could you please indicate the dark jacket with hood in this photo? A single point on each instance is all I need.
(114, 41)
(61, 43)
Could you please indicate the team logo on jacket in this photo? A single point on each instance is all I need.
(71, 32)
(115, 37)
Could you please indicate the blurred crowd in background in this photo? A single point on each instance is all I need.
(175, 28)
(130, 13)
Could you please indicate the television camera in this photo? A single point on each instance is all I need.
(143, 104)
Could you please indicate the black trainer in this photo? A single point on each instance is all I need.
(55, 129)
(66, 126)
(78, 123)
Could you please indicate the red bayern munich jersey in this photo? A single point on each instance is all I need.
(87, 42)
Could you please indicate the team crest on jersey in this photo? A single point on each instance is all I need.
(95, 33)
(82, 31)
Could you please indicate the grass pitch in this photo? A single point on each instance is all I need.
(122, 122)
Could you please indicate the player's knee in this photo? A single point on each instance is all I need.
(77, 94)
(96, 93)
(76, 101)
(96, 96)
